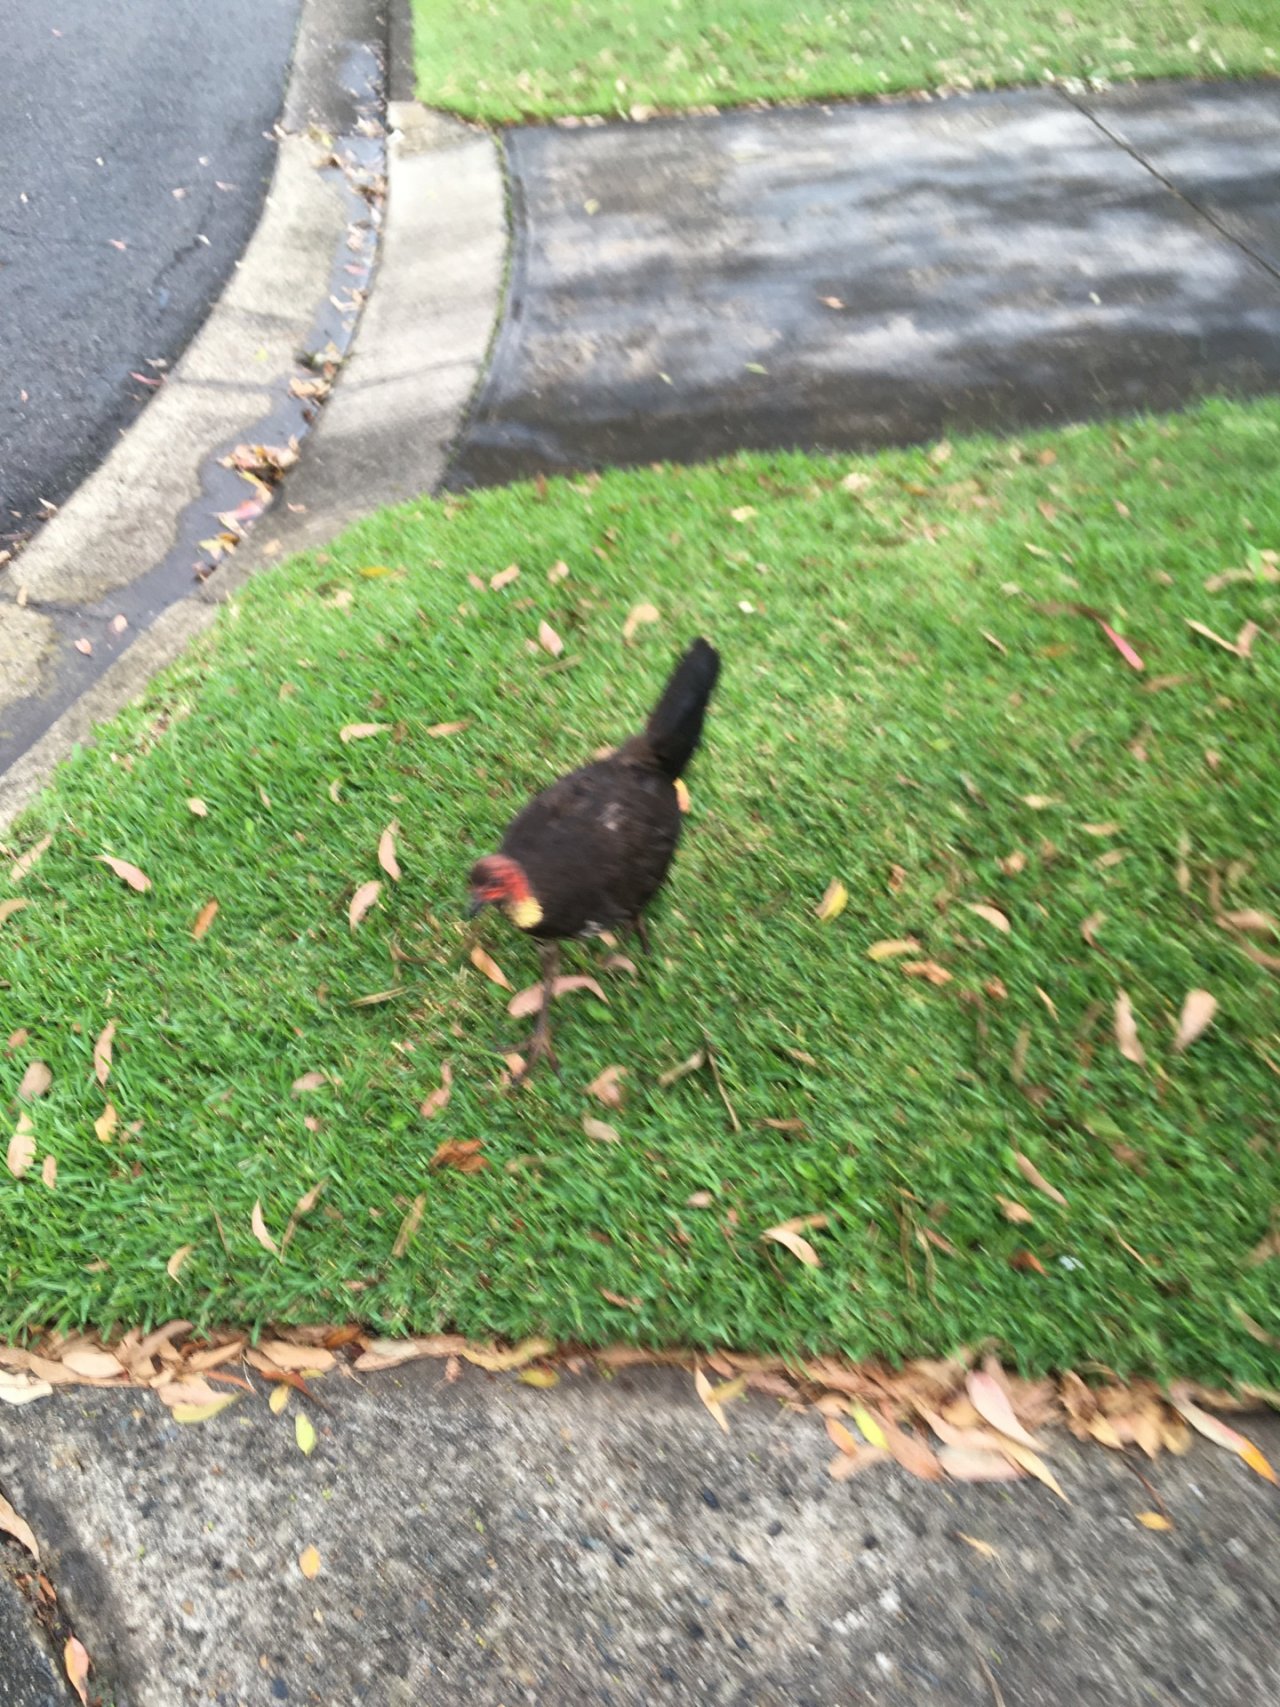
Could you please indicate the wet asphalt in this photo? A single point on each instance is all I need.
(135, 152)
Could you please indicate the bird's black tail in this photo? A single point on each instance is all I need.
(675, 727)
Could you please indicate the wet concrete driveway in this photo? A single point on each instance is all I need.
(856, 276)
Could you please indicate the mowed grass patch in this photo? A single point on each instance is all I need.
(915, 701)
(539, 58)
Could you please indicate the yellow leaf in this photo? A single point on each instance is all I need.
(304, 1433)
(202, 1413)
(683, 799)
(706, 1393)
(309, 1562)
(1152, 1520)
(868, 1427)
(538, 1377)
(279, 1397)
(515, 1358)
(833, 902)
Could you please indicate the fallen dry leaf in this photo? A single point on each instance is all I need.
(926, 969)
(600, 1130)
(892, 947)
(22, 865)
(683, 798)
(462, 1154)
(992, 915)
(75, 1662)
(1126, 1028)
(549, 640)
(204, 918)
(413, 1220)
(799, 1247)
(361, 731)
(1153, 1520)
(690, 1064)
(991, 1402)
(706, 1392)
(309, 1082)
(305, 1204)
(92, 1365)
(984, 1547)
(22, 1388)
(1218, 1432)
(278, 1398)
(284, 1354)
(197, 807)
(49, 1173)
(637, 615)
(548, 1377)
(1122, 646)
(1041, 802)
(834, 901)
(964, 1464)
(438, 1099)
(127, 872)
(1034, 1465)
(12, 906)
(499, 1362)
(1091, 926)
(1245, 639)
(1031, 1173)
(529, 1001)
(606, 1087)
(700, 1200)
(841, 1437)
(504, 577)
(102, 1053)
(1014, 1211)
(1208, 634)
(1251, 919)
(362, 900)
(1197, 1015)
(387, 851)
(104, 1127)
(260, 1232)
(309, 1562)
(484, 963)
(304, 1432)
(35, 1081)
(1013, 863)
(438, 730)
(175, 1262)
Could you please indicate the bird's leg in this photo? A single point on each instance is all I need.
(539, 1045)
(642, 934)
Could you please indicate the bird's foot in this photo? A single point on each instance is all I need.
(537, 1049)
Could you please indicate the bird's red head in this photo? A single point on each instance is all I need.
(500, 882)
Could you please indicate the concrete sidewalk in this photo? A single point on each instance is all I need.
(851, 277)
(604, 1543)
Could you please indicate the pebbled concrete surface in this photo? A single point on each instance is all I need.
(108, 110)
(604, 1543)
(28, 1675)
(998, 261)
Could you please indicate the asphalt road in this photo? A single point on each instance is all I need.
(135, 152)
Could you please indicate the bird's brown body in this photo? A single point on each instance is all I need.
(590, 852)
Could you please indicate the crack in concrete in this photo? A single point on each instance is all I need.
(1175, 189)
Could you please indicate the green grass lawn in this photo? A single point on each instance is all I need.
(908, 700)
(537, 58)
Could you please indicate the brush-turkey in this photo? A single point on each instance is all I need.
(589, 853)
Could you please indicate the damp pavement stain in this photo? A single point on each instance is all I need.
(850, 277)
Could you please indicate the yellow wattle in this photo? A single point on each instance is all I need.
(526, 914)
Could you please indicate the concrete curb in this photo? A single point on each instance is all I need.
(127, 542)
(383, 437)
